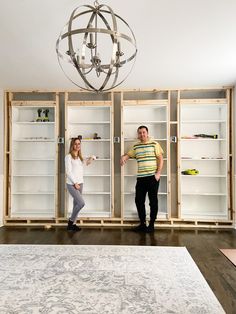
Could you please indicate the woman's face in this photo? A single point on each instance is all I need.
(76, 146)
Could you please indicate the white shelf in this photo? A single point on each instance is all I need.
(33, 159)
(205, 194)
(194, 212)
(94, 141)
(33, 193)
(89, 122)
(203, 159)
(102, 159)
(151, 105)
(205, 176)
(95, 213)
(95, 193)
(35, 140)
(204, 121)
(37, 213)
(97, 175)
(146, 122)
(205, 215)
(34, 123)
(34, 175)
(203, 139)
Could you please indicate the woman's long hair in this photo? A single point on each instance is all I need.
(71, 150)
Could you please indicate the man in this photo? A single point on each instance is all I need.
(150, 163)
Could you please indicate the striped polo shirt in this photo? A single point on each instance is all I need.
(146, 155)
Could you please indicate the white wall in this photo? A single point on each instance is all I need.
(1, 155)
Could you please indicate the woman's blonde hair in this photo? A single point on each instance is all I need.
(71, 150)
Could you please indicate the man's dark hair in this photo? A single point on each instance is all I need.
(142, 127)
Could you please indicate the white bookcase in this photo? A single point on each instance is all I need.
(33, 160)
(87, 118)
(34, 172)
(205, 195)
(155, 115)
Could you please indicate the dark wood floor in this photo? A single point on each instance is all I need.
(203, 245)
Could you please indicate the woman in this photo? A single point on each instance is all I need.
(74, 180)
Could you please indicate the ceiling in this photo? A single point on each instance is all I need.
(181, 43)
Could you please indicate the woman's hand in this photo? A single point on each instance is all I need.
(90, 159)
(77, 186)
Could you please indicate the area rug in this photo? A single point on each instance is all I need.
(230, 254)
(102, 279)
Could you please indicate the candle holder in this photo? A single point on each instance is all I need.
(39, 118)
(46, 118)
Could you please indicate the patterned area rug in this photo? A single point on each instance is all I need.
(102, 279)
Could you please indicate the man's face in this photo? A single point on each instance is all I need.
(143, 135)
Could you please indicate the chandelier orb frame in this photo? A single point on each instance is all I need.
(86, 56)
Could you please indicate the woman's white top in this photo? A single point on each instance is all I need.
(74, 170)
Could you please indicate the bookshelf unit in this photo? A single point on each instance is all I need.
(92, 119)
(153, 113)
(33, 160)
(204, 146)
(34, 176)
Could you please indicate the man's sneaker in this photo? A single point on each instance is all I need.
(150, 228)
(140, 228)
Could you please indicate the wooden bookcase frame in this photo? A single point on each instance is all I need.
(13, 105)
(146, 104)
(93, 106)
(62, 99)
(220, 104)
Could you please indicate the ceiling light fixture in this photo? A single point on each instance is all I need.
(96, 49)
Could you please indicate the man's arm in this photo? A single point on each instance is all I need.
(159, 166)
(123, 159)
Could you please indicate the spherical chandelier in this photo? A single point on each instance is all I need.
(96, 49)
